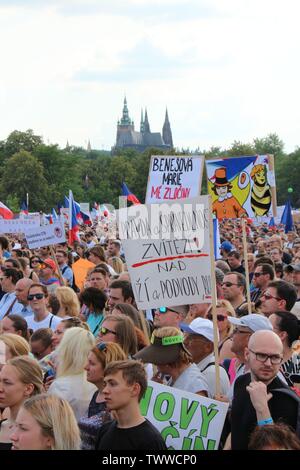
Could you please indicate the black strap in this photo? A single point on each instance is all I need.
(51, 320)
(10, 307)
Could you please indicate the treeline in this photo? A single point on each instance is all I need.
(47, 172)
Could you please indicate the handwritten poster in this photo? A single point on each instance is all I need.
(167, 252)
(185, 420)
(174, 177)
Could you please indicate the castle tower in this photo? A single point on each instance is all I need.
(146, 122)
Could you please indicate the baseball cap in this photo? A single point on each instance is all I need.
(162, 350)
(200, 326)
(226, 246)
(50, 262)
(254, 322)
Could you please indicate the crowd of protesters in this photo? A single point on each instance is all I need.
(74, 362)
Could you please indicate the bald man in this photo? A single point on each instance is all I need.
(255, 401)
(22, 288)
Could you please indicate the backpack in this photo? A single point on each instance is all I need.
(295, 397)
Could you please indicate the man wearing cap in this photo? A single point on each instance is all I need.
(170, 316)
(169, 354)
(225, 248)
(199, 341)
(256, 400)
(226, 206)
(47, 277)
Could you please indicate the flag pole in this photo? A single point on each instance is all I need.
(70, 215)
(27, 201)
(246, 265)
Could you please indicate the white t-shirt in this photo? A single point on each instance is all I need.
(51, 321)
(191, 380)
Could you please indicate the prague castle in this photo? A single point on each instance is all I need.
(127, 137)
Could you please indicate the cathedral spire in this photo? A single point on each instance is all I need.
(89, 148)
(142, 122)
(146, 122)
(125, 120)
(166, 132)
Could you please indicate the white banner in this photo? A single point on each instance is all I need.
(19, 225)
(185, 420)
(167, 252)
(46, 235)
(174, 177)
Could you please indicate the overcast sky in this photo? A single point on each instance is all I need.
(226, 69)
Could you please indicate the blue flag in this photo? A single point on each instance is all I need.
(287, 218)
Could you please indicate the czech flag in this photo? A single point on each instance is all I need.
(73, 225)
(130, 197)
(24, 208)
(5, 212)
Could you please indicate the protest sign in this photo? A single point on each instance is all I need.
(167, 252)
(185, 420)
(174, 177)
(242, 186)
(19, 225)
(45, 235)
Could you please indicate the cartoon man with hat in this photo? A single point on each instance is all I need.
(226, 206)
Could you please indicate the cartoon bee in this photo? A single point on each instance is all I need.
(260, 192)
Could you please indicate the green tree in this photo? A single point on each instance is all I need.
(270, 144)
(17, 141)
(22, 174)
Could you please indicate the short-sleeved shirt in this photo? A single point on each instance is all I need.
(142, 437)
(51, 321)
(191, 380)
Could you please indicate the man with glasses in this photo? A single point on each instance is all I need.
(170, 316)
(244, 327)
(41, 318)
(234, 287)
(255, 399)
(263, 274)
(279, 296)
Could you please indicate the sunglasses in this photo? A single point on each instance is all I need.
(35, 296)
(258, 274)
(268, 296)
(165, 309)
(104, 331)
(102, 347)
(35, 261)
(219, 317)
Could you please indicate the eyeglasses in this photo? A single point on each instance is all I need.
(236, 330)
(258, 274)
(219, 317)
(229, 284)
(268, 296)
(35, 261)
(165, 309)
(102, 347)
(104, 331)
(38, 296)
(261, 357)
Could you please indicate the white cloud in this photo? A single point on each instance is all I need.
(225, 70)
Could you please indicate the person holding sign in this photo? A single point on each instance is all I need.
(168, 353)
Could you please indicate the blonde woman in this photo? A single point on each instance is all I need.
(15, 345)
(70, 382)
(68, 301)
(116, 263)
(20, 378)
(224, 310)
(49, 424)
